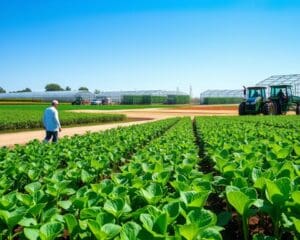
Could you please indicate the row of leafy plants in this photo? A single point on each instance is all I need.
(256, 168)
(14, 119)
(287, 122)
(164, 191)
(45, 188)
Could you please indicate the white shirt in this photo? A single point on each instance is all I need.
(51, 121)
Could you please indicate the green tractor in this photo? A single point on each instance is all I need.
(80, 101)
(281, 100)
(255, 98)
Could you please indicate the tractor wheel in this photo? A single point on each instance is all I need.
(270, 108)
(298, 109)
(242, 109)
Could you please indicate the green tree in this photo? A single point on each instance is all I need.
(83, 89)
(96, 91)
(2, 90)
(53, 87)
(25, 90)
(68, 88)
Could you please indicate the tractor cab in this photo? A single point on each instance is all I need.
(281, 91)
(281, 97)
(254, 100)
(255, 92)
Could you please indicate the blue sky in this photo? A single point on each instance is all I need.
(147, 44)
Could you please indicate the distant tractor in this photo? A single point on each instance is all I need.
(281, 100)
(101, 101)
(255, 98)
(80, 101)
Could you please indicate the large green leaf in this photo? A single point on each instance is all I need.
(51, 230)
(238, 200)
(194, 199)
(173, 210)
(71, 222)
(117, 207)
(161, 224)
(297, 149)
(105, 187)
(105, 218)
(156, 225)
(31, 233)
(278, 191)
(96, 229)
(130, 230)
(296, 197)
(201, 218)
(86, 177)
(212, 233)
(283, 153)
(153, 193)
(12, 218)
(26, 199)
(33, 187)
(189, 231)
(111, 230)
(90, 213)
(107, 231)
(28, 222)
(37, 209)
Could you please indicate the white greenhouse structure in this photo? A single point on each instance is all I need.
(291, 79)
(62, 96)
(217, 96)
(116, 96)
(235, 95)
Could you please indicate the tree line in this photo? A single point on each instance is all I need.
(51, 87)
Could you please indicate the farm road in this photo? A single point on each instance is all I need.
(9, 139)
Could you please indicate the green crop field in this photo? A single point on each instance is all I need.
(17, 117)
(13, 119)
(210, 178)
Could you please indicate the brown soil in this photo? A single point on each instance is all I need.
(211, 107)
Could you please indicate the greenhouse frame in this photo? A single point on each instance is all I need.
(221, 96)
(236, 96)
(291, 79)
(117, 96)
(62, 96)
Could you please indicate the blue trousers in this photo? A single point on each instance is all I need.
(51, 134)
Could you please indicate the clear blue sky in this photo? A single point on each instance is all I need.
(147, 44)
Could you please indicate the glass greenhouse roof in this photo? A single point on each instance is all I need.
(238, 93)
(291, 79)
(280, 79)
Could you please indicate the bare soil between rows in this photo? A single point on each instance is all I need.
(138, 115)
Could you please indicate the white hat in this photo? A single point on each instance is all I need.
(54, 102)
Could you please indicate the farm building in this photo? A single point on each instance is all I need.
(62, 96)
(221, 96)
(144, 96)
(235, 96)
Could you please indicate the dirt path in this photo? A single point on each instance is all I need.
(9, 139)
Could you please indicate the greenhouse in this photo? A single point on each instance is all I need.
(139, 97)
(291, 79)
(63, 96)
(221, 96)
(236, 96)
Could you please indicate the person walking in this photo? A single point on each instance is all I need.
(51, 122)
